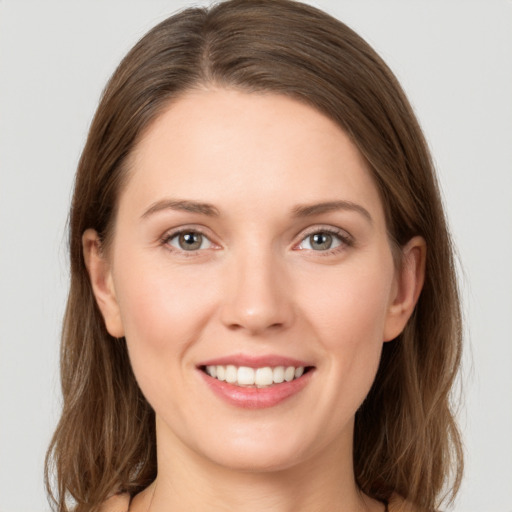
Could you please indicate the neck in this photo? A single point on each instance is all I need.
(187, 481)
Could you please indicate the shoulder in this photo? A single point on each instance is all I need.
(116, 503)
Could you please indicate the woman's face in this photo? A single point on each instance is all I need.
(250, 244)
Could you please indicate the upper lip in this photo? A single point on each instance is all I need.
(254, 361)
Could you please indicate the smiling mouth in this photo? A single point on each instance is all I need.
(263, 377)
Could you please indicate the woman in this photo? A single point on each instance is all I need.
(263, 312)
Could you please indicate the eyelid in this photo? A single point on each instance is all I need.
(174, 232)
(347, 240)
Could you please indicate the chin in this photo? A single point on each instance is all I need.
(264, 449)
(258, 460)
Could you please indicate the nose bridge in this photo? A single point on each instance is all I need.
(257, 297)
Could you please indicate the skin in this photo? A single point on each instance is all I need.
(256, 286)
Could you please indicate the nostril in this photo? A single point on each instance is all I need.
(234, 327)
(255, 328)
(255, 302)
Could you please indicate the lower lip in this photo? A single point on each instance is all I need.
(256, 398)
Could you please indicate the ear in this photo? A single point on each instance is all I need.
(408, 285)
(100, 274)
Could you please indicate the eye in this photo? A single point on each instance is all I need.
(188, 241)
(324, 240)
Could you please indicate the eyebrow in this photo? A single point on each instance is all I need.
(181, 205)
(306, 210)
(330, 206)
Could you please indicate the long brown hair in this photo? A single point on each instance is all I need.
(406, 440)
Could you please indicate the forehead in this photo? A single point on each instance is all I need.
(221, 145)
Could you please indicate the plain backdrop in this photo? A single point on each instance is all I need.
(454, 59)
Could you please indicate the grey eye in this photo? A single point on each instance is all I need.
(189, 241)
(321, 241)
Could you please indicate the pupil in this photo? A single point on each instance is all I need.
(190, 241)
(321, 241)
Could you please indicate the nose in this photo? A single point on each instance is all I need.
(258, 296)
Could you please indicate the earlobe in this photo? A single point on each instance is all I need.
(410, 278)
(100, 275)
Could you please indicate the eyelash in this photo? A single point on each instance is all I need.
(166, 239)
(345, 239)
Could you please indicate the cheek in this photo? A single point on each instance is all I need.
(349, 321)
(351, 307)
(163, 311)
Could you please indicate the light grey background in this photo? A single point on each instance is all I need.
(454, 58)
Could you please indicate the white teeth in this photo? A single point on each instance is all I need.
(259, 377)
(245, 376)
(264, 377)
(289, 374)
(231, 374)
(221, 373)
(279, 374)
